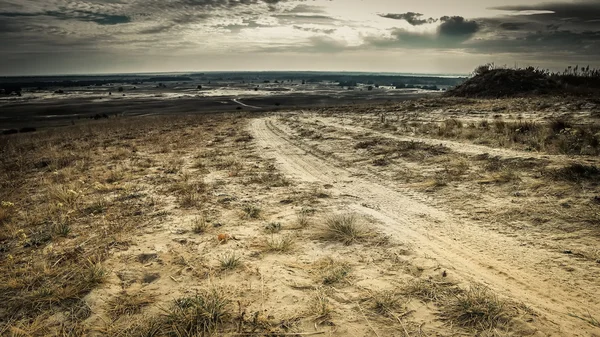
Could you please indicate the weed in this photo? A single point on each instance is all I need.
(273, 227)
(320, 304)
(477, 307)
(128, 304)
(62, 228)
(333, 271)
(577, 173)
(429, 290)
(199, 225)
(386, 302)
(588, 318)
(344, 228)
(63, 195)
(302, 220)
(93, 274)
(280, 244)
(229, 261)
(252, 212)
(199, 314)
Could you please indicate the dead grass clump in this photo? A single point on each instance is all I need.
(319, 304)
(577, 173)
(230, 261)
(283, 244)
(197, 315)
(450, 128)
(332, 271)
(128, 304)
(429, 290)
(273, 227)
(251, 212)
(302, 220)
(386, 302)
(68, 196)
(199, 225)
(189, 193)
(344, 228)
(367, 144)
(6, 212)
(270, 178)
(478, 307)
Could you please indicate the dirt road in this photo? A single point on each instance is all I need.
(469, 251)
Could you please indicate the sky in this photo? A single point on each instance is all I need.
(40, 37)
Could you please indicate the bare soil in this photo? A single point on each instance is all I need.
(336, 222)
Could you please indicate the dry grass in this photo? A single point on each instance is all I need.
(279, 244)
(65, 215)
(273, 227)
(199, 225)
(477, 307)
(557, 136)
(345, 228)
(428, 290)
(197, 315)
(332, 271)
(386, 302)
(251, 212)
(319, 304)
(128, 304)
(230, 261)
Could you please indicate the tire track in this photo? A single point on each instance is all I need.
(474, 254)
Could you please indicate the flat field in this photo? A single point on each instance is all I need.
(429, 217)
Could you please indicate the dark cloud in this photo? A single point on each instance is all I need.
(513, 25)
(457, 26)
(156, 29)
(578, 11)
(413, 18)
(79, 15)
(316, 30)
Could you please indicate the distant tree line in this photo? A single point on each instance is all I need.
(17, 86)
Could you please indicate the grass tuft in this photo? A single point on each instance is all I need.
(320, 304)
(386, 302)
(273, 227)
(344, 228)
(478, 307)
(198, 315)
(252, 212)
(280, 244)
(333, 271)
(230, 261)
(199, 225)
(128, 304)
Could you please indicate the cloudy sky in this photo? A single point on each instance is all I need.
(426, 36)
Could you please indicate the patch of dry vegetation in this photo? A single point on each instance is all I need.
(345, 228)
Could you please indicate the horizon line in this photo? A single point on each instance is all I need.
(192, 72)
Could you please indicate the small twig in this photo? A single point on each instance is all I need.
(366, 319)
(174, 279)
(279, 334)
(402, 324)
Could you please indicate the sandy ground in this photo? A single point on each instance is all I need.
(236, 209)
(467, 249)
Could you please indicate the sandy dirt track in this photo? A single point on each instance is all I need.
(470, 252)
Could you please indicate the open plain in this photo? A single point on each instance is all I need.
(428, 217)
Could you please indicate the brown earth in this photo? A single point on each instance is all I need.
(444, 237)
